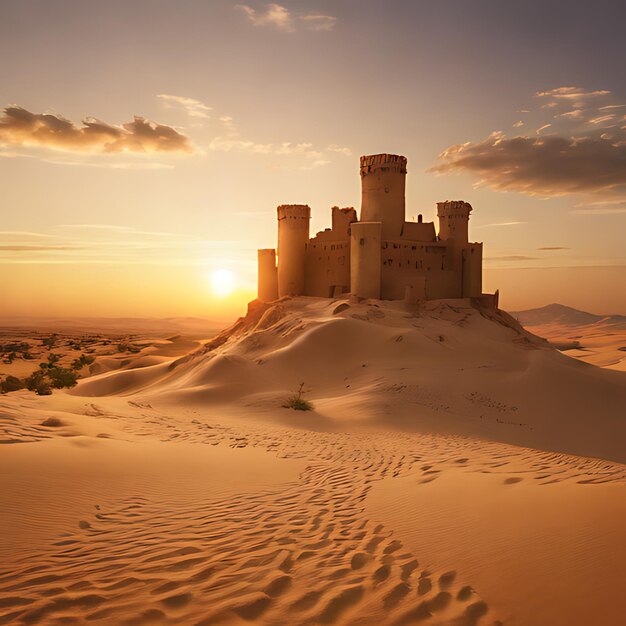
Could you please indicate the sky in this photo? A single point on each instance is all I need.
(145, 144)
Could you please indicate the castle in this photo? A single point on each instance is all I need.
(380, 255)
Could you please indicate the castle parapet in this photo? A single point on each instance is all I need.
(390, 162)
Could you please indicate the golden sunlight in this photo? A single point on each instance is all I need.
(222, 282)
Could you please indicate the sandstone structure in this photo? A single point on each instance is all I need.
(379, 254)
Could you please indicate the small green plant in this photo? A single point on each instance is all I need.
(297, 402)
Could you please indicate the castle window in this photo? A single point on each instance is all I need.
(362, 242)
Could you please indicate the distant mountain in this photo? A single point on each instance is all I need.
(565, 316)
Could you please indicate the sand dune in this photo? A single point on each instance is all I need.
(446, 368)
(596, 339)
(430, 483)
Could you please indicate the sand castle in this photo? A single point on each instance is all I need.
(380, 255)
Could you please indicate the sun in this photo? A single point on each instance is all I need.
(222, 282)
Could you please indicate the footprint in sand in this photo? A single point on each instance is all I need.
(512, 480)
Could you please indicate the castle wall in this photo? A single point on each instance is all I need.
(365, 259)
(293, 237)
(327, 268)
(419, 231)
(383, 179)
(414, 264)
(473, 270)
(268, 275)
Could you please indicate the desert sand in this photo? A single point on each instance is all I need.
(455, 469)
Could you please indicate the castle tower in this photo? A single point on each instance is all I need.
(383, 178)
(268, 280)
(365, 259)
(293, 237)
(453, 220)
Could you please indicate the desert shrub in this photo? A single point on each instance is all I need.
(297, 402)
(81, 361)
(11, 383)
(49, 341)
(62, 377)
(38, 383)
(43, 390)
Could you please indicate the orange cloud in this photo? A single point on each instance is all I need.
(546, 166)
(23, 128)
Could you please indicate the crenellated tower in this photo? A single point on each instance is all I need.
(383, 182)
(453, 220)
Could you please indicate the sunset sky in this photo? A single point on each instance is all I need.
(145, 144)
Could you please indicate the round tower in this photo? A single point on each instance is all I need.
(267, 281)
(453, 220)
(383, 182)
(293, 237)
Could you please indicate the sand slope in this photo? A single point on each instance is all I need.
(182, 493)
(446, 367)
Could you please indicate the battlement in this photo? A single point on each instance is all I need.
(387, 162)
(454, 206)
(293, 211)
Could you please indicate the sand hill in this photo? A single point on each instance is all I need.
(429, 484)
(446, 367)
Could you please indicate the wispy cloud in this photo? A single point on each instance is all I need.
(274, 15)
(610, 207)
(503, 224)
(553, 248)
(577, 95)
(191, 106)
(511, 257)
(230, 139)
(19, 127)
(281, 18)
(317, 21)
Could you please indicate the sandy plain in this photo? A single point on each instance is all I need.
(455, 469)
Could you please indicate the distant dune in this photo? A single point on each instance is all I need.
(566, 316)
(596, 339)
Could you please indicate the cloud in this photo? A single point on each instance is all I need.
(571, 115)
(23, 234)
(274, 15)
(504, 224)
(518, 124)
(319, 21)
(546, 166)
(193, 107)
(47, 130)
(577, 94)
(553, 248)
(230, 140)
(611, 207)
(511, 257)
(36, 248)
(281, 18)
